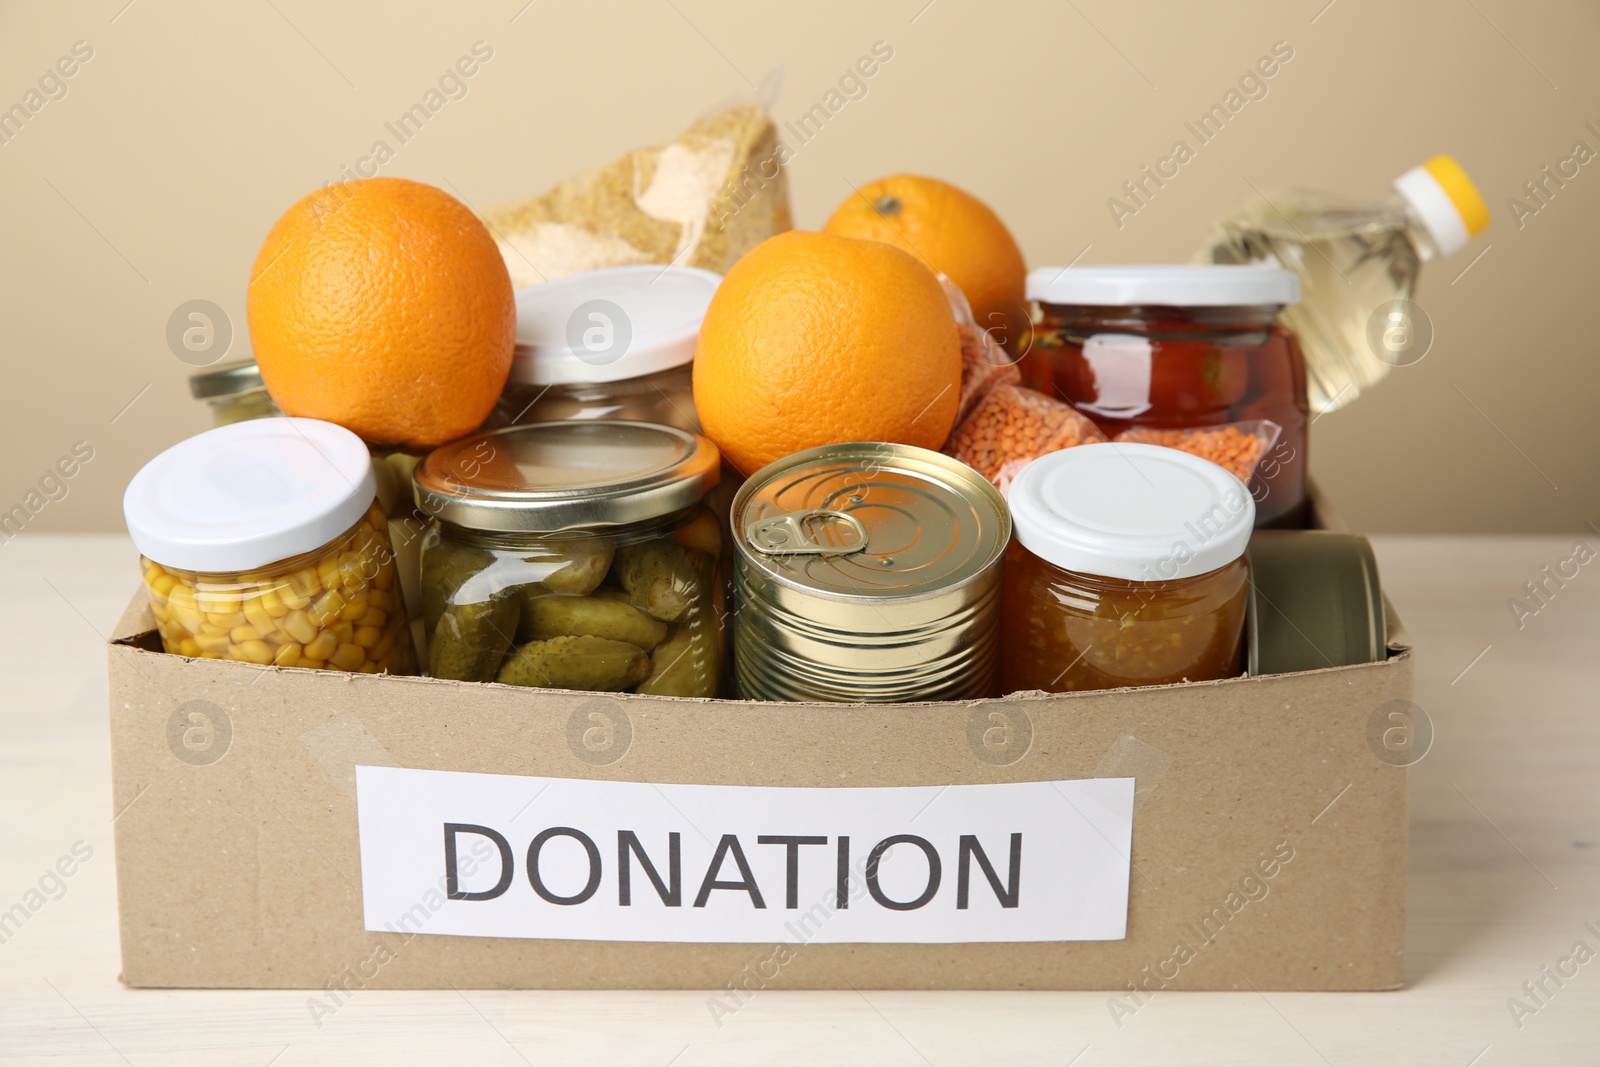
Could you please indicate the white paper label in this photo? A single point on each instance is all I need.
(491, 855)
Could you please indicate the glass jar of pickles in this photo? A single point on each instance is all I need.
(1128, 569)
(575, 555)
(234, 392)
(608, 344)
(262, 541)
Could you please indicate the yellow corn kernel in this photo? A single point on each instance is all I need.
(328, 572)
(161, 613)
(344, 631)
(288, 655)
(151, 572)
(385, 577)
(311, 664)
(380, 651)
(182, 607)
(378, 599)
(298, 625)
(321, 646)
(368, 667)
(375, 617)
(256, 615)
(292, 599)
(211, 655)
(327, 607)
(368, 636)
(305, 582)
(226, 620)
(253, 652)
(163, 583)
(240, 634)
(353, 611)
(189, 647)
(214, 600)
(212, 642)
(348, 657)
(272, 603)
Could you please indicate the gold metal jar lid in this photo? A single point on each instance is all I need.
(870, 521)
(556, 476)
(226, 379)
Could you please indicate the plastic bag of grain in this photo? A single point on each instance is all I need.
(701, 200)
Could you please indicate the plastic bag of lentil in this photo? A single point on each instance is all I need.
(1236, 447)
(701, 200)
(1013, 423)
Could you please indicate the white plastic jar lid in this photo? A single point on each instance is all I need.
(1142, 513)
(609, 325)
(243, 496)
(1168, 285)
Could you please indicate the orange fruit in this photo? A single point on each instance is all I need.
(383, 305)
(813, 339)
(954, 234)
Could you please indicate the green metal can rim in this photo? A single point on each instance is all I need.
(1352, 552)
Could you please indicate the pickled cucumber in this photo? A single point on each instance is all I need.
(446, 567)
(689, 662)
(660, 578)
(588, 559)
(548, 616)
(596, 664)
(471, 640)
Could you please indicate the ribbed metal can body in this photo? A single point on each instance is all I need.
(867, 572)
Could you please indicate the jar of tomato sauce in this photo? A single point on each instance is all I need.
(1176, 348)
(1127, 568)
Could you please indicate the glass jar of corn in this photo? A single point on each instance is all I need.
(263, 542)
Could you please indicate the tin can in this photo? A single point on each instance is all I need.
(1315, 602)
(867, 572)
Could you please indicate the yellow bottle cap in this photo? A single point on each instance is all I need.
(1453, 179)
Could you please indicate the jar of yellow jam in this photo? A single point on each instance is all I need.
(1127, 569)
(263, 542)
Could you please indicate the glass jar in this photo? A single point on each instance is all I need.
(608, 344)
(1176, 348)
(665, 397)
(575, 555)
(234, 392)
(1128, 569)
(233, 528)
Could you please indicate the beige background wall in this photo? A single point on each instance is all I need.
(194, 125)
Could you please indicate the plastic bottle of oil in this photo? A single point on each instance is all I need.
(1358, 263)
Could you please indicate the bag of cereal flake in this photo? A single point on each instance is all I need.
(702, 200)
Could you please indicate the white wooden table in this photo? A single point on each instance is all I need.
(1505, 873)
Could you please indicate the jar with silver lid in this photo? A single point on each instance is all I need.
(234, 392)
(574, 555)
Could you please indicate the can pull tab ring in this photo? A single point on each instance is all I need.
(818, 532)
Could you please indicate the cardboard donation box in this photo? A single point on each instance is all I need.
(292, 828)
